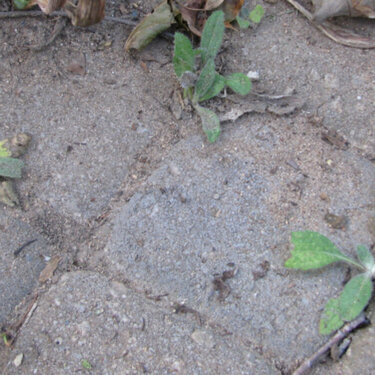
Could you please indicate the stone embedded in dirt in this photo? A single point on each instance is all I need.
(336, 221)
(18, 360)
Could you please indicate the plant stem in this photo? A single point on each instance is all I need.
(339, 336)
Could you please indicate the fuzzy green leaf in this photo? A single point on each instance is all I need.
(86, 364)
(205, 80)
(239, 83)
(355, 296)
(256, 14)
(215, 89)
(10, 167)
(242, 22)
(21, 4)
(4, 152)
(212, 36)
(184, 56)
(365, 257)
(330, 320)
(313, 250)
(210, 123)
(152, 25)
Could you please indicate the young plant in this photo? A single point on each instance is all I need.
(203, 82)
(312, 250)
(9, 167)
(248, 18)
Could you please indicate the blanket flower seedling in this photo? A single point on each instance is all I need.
(312, 250)
(202, 82)
(248, 18)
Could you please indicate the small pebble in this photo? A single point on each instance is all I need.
(203, 338)
(18, 360)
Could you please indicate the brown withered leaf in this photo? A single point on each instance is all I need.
(213, 4)
(158, 21)
(334, 32)
(194, 14)
(86, 12)
(49, 269)
(332, 8)
(48, 6)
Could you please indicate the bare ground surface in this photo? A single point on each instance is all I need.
(147, 216)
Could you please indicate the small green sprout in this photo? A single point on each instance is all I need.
(21, 4)
(86, 364)
(203, 82)
(248, 18)
(312, 250)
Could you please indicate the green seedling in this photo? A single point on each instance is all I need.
(201, 81)
(21, 4)
(9, 167)
(312, 250)
(86, 364)
(248, 18)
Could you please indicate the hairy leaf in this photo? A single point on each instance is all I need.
(86, 364)
(10, 167)
(365, 257)
(242, 22)
(239, 83)
(152, 25)
(215, 89)
(210, 123)
(330, 320)
(313, 250)
(21, 4)
(212, 36)
(184, 56)
(4, 152)
(355, 296)
(257, 14)
(205, 80)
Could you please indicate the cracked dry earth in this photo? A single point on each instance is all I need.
(172, 249)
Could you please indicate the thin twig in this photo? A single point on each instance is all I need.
(38, 13)
(28, 243)
(29, 13)
(339, 336)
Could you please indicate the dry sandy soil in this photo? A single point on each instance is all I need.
(146, 216)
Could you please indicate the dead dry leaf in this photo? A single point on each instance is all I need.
(86, 12)
(152, 25)
(332, 8)
(280, 105)
(213, 4)
(336, 33)
(49, 269)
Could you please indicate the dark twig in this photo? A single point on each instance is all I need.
(339, 336)
(29, 13)
(28, 243)
(38, 13)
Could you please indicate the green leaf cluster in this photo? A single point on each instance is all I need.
(21, 4)
(247, 18)
(208, 82)
(313, 250)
